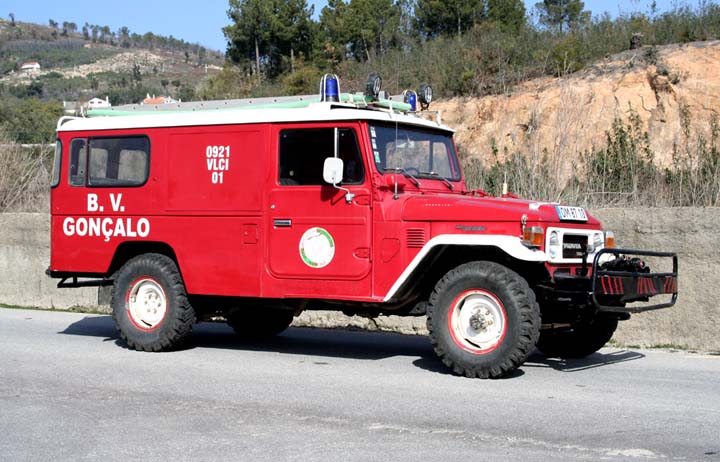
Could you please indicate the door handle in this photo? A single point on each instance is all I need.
(282, 222)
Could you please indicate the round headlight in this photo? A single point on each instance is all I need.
(598, 240)
(554, 238)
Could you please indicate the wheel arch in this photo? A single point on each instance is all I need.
(131, 249)
(441, 258)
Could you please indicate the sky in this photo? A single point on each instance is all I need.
(202, 21)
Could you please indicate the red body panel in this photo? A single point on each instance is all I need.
(213, 196)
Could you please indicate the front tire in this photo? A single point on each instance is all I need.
(483, 320)
(150, 305)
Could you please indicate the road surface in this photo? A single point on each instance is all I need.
(70, 391)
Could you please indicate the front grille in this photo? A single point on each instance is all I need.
(573, 245)
(415, 238)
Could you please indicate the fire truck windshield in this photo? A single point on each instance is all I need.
(420, 153)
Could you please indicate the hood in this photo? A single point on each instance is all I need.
(466, 208)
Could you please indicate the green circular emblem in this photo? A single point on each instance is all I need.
(317, 248)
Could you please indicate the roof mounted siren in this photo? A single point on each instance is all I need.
(330, 88)
(410, 97)
(425, 94)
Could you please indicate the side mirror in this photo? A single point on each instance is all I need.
(333, 170)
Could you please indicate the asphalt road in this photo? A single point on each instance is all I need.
(69, 390)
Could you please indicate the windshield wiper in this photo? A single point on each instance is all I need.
(450, 186)
(407, 174)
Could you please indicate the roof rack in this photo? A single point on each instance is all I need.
(373, 98)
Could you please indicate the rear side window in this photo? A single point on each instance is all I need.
(78, 162)
(57, 162)
(303, 153)
(118, 161)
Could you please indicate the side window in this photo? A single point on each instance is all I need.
(119, 161)
(57, 163)
(303, 153)
(78, 162)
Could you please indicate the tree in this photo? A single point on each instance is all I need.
(435, 17)
(105, 34)
(364, 28)
(250, 32)
(333, 36)
(136, 73)
(558, 13)
(68, 27)
(509, 14)
(124, 37)
(12, 19)
(293, 28)
(86, 31)
(52, 24)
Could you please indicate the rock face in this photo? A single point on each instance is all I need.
(565, 117)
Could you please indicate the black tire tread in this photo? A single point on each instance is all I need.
(529, 315)
(178, 327)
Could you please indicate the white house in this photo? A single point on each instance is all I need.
(97, 103)
(30, 66)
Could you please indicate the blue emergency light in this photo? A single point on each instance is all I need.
(330, 88)
(411, 99)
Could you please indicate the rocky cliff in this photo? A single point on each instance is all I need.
(673, 90)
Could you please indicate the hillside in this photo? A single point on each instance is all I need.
(671, 88)
(100, 62)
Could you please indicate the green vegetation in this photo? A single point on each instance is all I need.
(61, 53)
(464, 47)
(29, 120)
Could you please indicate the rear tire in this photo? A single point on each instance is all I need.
(580, 342)
(259, 323)
(150, 305)
(483, 320)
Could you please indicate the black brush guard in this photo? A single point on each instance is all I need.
(623, 286)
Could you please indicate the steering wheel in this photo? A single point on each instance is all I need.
(412, 171)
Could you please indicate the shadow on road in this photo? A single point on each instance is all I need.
(93, 326)
(598, 359)
(335, 343)
(329, 343)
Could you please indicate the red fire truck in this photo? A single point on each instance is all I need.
(254, 210)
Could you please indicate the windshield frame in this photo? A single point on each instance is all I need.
(434, 136)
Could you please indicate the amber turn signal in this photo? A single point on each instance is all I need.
(533, 235)
(609, 240)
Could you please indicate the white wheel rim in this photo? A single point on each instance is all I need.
(477, 321)
(146, 304)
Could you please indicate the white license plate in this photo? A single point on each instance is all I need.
(571, 213)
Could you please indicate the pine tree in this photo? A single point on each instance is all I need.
(251, 30)
(558, 13)
(509, 14)
(435, 17)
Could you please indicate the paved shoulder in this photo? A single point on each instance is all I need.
(69, 390)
